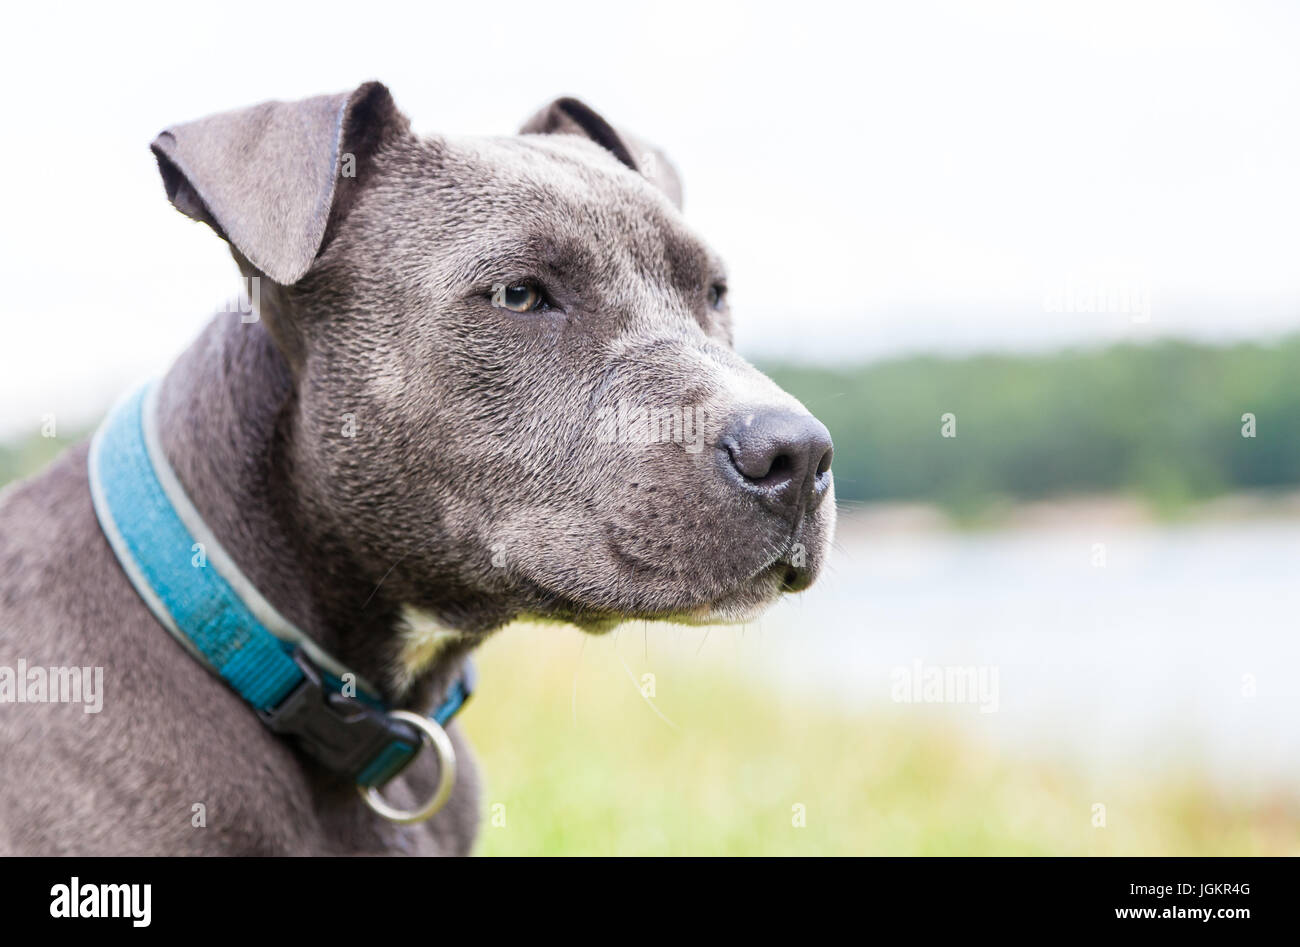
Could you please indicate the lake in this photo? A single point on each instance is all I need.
(1167, 644)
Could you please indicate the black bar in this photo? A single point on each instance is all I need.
(977, 896)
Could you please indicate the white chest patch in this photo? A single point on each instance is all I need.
(423, 640)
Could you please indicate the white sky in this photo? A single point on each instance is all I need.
(880, 177)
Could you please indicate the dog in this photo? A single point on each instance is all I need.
(484, 379)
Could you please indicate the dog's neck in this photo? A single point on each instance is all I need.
(226, 422)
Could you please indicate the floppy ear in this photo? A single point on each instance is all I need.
(568, 116)
(266, 178)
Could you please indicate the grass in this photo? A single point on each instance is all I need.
(575, 762)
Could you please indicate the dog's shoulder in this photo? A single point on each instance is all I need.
(170, 761)
(47, 525)
(119, 777)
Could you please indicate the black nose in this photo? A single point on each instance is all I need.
(782, 456)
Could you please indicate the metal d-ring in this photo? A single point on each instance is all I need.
(436, 737)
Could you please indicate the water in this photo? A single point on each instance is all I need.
(1181, 648)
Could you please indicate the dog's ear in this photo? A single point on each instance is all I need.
(568, 116)
(266, 178)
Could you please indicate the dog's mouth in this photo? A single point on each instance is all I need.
(725, 570)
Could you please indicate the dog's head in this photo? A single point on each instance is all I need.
(514, 385)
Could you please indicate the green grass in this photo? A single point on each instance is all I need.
(597, 772)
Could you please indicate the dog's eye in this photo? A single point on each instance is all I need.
(519, 297)
(717, 295)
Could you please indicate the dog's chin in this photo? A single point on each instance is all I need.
(742, 604)
(745, 603)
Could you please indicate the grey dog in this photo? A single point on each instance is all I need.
(443, 417)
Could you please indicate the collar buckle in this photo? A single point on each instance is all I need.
(343, 733)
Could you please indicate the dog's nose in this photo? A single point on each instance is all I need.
(782, 456)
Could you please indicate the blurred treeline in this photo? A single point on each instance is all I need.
(1163, 421)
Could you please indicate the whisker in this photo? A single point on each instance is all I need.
(632, 677)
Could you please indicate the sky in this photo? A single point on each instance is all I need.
(880, 178)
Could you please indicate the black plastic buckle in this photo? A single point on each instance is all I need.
(342, 733)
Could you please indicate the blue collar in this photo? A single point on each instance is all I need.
(198, 594)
